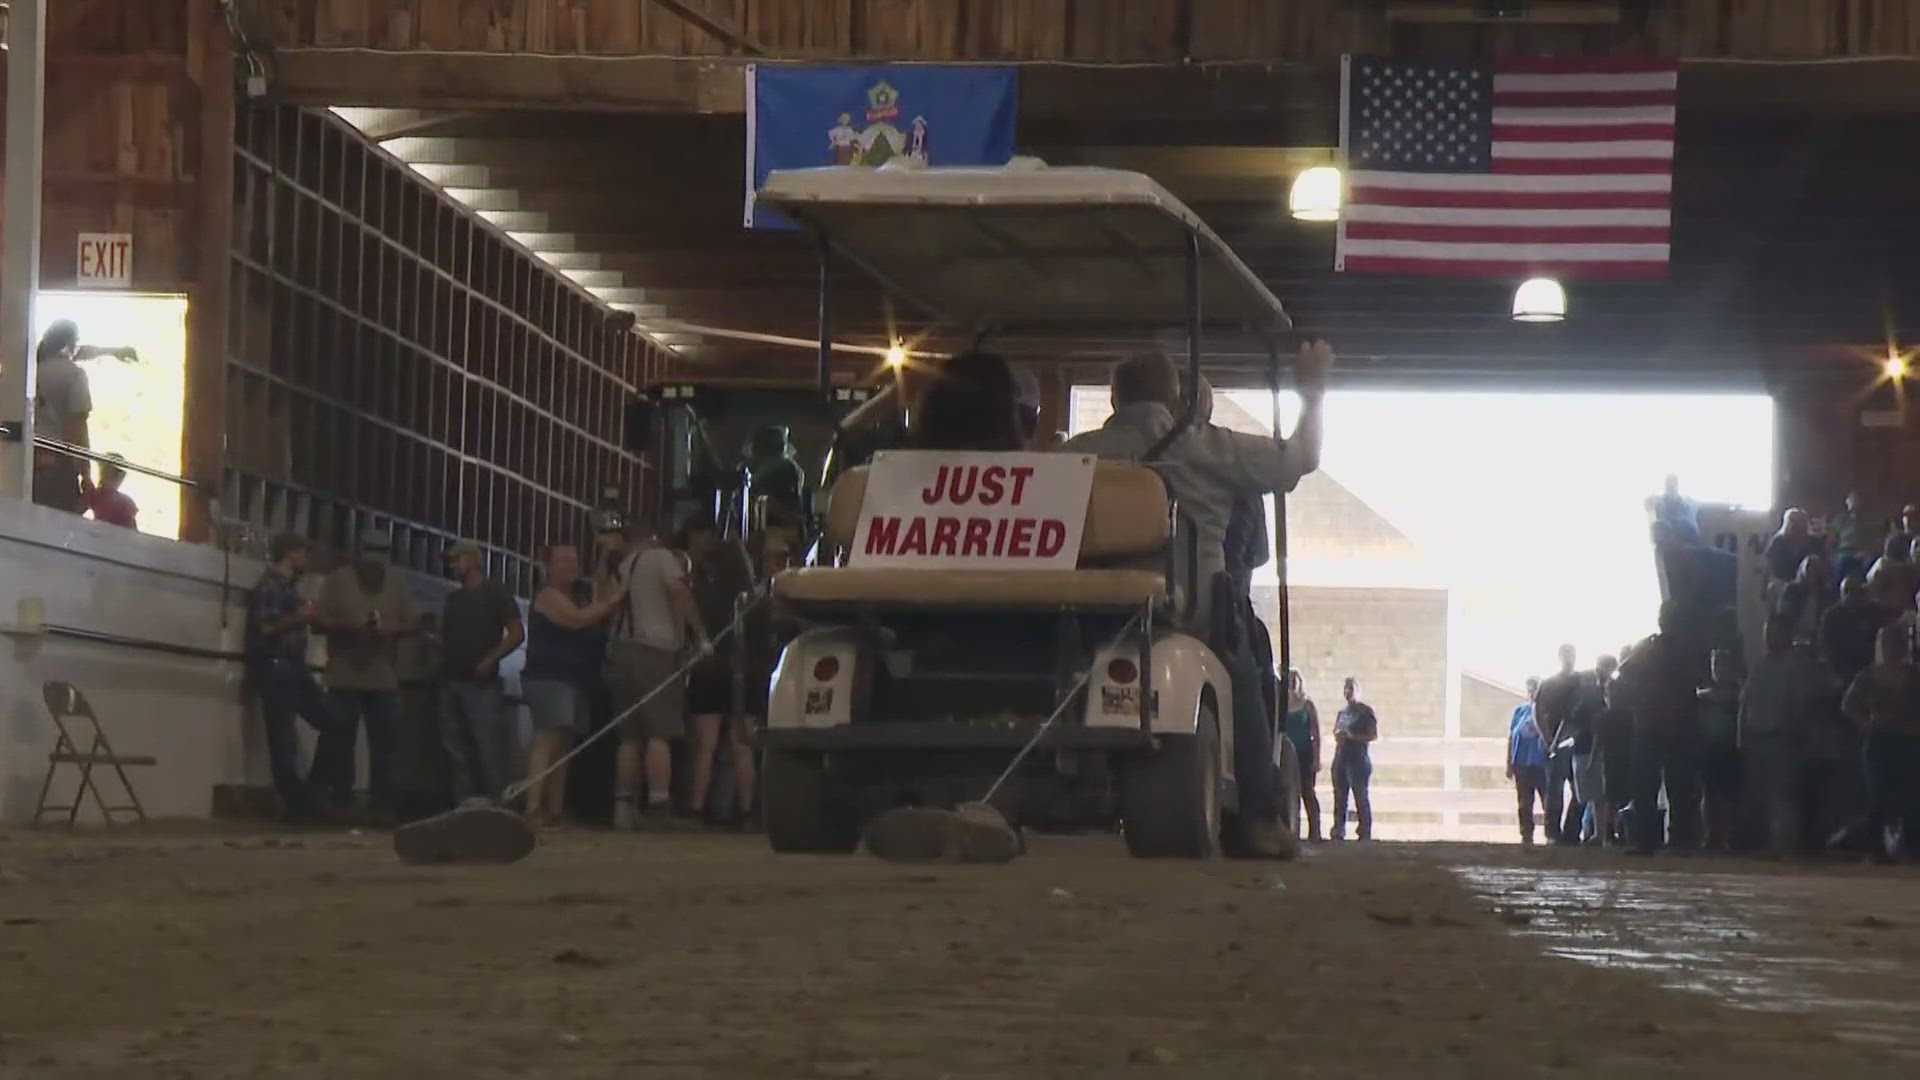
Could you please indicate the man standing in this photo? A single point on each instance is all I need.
(1353, 733)
(1722, 780)
(1658, 685)
(1884, 703)
(722, 573)
(1852, 546)
(1786, 710)
(1589, 762)
(479, 627)
(1848, 629)
(1552, 711)
(277, 621)
(1208, 470)
(1527, 760)
(62, 403)
(659, 621)
(365, 608)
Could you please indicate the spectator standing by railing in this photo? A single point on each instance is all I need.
(1891, 579)
(566, 641)
(1303, 731)
(1527, 761)
(1658, 685)
(1354, 732)
(721, 574)
(1849, 628)
(365, 608)
(480, 626)
(1552, 710)
(62, 406)
(1720, 768)
(1787, 739)
(659, 621)
(1884, 703)
(278, 618)
(1852, 546)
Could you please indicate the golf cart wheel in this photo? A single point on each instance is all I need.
(1170, 798)
(1288, 762)
(801, 813)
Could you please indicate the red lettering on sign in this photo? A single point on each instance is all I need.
(993, 485)
(946, 536)
(915, 542)
(1000, 538)
(979, 536)
(883, 535)
(1053, 537)
(1020, 539)
(938, 491)
(1021, 473)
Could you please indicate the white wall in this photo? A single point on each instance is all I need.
(184, 711)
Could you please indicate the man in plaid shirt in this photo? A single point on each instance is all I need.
(278, 618)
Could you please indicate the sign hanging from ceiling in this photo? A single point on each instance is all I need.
(106, 260)
(942, 510)
(812, 117)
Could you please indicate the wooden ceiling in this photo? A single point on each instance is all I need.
(609, 131)
(1791, 242)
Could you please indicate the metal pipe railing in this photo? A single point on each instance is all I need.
(10, 431)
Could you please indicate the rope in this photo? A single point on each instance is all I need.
(1060, 709)
(520, 787)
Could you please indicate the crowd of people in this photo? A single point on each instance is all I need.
(652, 601)
(1688, 743)
(1355, 728)
(651, 633)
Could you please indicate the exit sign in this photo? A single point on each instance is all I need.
(106, 260)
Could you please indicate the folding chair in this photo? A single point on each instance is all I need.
(66, 703)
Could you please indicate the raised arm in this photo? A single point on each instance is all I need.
(1264, 465)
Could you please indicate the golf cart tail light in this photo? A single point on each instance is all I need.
(1122, 671)
(826, 668)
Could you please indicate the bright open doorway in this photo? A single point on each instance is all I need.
(1453, 540)
(138, 408)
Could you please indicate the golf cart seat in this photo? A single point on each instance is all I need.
(1128, 525)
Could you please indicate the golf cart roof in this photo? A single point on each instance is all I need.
(1027, 247)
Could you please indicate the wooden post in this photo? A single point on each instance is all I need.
(203, 454)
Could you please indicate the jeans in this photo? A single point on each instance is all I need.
(1893, 773)
(1563, 814)
(1663, 758)
(288, 691)
(333, 757)
(1253, 768)
(1352, 771)
(471, 717)
(1529, 786)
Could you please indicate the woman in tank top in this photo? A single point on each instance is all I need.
(1303, 731)
(565, 646)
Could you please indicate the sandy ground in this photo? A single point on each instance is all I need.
(217, 955)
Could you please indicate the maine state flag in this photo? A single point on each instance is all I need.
(807, 117)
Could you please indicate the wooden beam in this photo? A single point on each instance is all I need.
(718, 27)
(204, 438)
(1279, 103)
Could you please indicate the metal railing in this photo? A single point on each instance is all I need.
(10, 432)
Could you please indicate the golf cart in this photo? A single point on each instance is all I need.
(920, 683)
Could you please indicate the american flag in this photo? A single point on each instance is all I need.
(1560, 167)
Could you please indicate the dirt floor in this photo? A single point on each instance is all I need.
(218, 955)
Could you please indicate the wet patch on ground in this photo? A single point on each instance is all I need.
(1830, 943)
